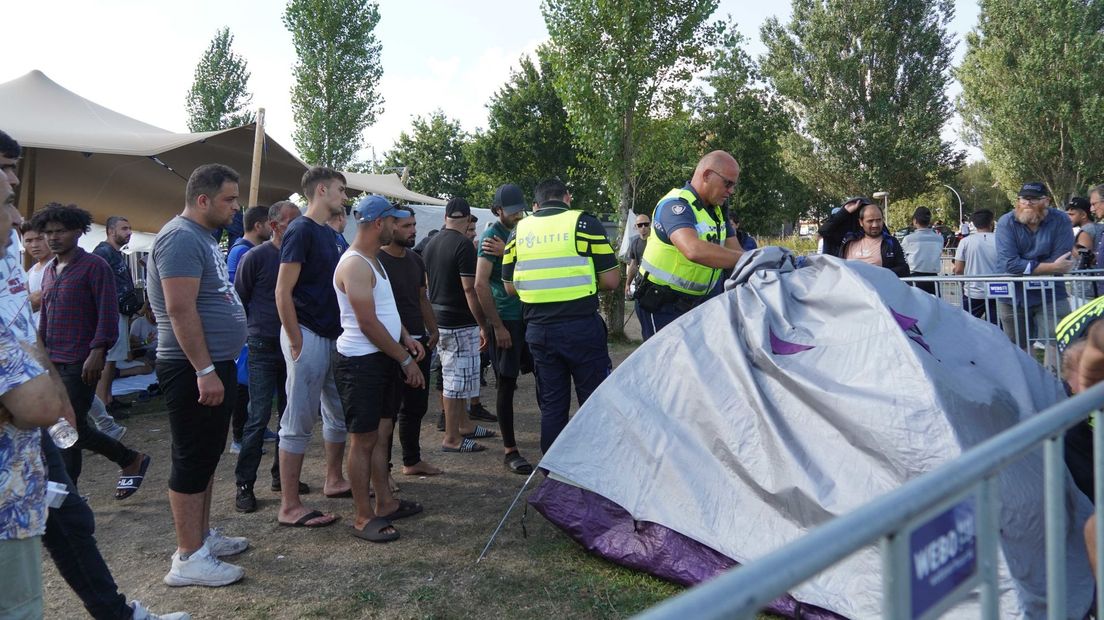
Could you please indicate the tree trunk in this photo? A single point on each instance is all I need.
(614, 302)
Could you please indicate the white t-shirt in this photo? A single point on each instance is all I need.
(34, 283)
(144, 331)
(979, 252)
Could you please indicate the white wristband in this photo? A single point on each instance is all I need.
(408, 361)
(206, 371)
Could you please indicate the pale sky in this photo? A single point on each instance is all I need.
(138, 57)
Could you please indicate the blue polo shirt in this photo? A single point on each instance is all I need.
(1020, 251)
(672, 215)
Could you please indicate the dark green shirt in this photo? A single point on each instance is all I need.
(509, 307)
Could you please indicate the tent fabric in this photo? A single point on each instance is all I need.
(80, 152)
(799, 395)
(388, 185)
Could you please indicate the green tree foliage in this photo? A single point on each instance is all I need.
(527, 139)
(219, 95)
(866, 81)
(1033, 92)
(979, 189)
(736, 114)
(433, 152)
(614, 63)
(336, 76)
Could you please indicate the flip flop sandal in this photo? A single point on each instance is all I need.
(310, 516)
(481, 433)
(373, 531)
(405, 509)
(516, 463)
(128, 485)
(466, 445)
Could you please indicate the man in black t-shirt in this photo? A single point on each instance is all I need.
(307, 304)
(407, 273)
(450, 260)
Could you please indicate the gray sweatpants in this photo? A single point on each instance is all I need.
(310, 381)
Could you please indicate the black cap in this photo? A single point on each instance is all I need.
(510, 199)
(457, 208)
(1033, 190)
(863, 201)
(1080, 203)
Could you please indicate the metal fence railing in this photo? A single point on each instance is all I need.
(1027, 308)
(964, 488)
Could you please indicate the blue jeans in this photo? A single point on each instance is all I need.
(69, 540)
(267, 374)
(652, 322)
(572, 350)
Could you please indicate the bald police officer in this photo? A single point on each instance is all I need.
(692, 242)
(556, 260)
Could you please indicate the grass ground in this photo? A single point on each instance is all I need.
(532, 571)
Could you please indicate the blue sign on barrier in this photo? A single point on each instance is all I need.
(943, 555)
(1000, 289)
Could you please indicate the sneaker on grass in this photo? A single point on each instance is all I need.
(479, 412)
(221, 545)
(141, 613)
(202, 569)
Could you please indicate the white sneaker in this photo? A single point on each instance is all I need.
(141, 613)
(202, 569)
(221, 545)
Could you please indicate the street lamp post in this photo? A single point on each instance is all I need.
(960, 217)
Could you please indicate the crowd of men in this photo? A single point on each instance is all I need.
(297, 316)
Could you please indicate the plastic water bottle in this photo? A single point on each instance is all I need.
(63, 434)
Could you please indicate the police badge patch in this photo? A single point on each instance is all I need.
(678, 209)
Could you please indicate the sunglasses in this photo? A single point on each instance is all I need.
(644, 225)
(728, 183)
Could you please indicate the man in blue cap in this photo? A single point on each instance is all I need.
(1034, 239)
(375, 357)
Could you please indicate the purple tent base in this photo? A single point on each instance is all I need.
(606, 529)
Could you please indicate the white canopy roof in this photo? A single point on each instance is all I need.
(77, 151)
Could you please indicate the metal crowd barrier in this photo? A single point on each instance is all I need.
(958, 499)
(1031, 303)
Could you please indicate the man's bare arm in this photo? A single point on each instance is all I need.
(286, 280)
(180, 305)
(702, 252)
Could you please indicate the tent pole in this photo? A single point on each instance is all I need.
(505, 516)
(258, 147)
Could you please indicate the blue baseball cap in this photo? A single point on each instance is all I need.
(1033, 190)
(373, 207)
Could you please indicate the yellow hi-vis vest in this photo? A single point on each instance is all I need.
(662, 262)
(547, 267)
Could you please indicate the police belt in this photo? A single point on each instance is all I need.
(652, 296)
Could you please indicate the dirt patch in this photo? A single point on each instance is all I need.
(429, 573)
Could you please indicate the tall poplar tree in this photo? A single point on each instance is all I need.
(866, 81)
(1033, 92)
(219, 96)
(336, 77)
(614, 63)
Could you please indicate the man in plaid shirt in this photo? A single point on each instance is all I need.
(79, 323)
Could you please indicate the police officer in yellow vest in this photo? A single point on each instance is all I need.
(555, 261)
(692, 242)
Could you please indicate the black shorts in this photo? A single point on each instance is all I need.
(198, 431)
(516, 360)
(368, 385)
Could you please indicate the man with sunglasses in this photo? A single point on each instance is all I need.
(636, 251)
(693, 243)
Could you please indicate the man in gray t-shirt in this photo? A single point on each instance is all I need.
(201, 330)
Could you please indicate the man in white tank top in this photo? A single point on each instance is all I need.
(375, 357)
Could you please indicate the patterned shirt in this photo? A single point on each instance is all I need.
(22, 470)
(80, 311)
